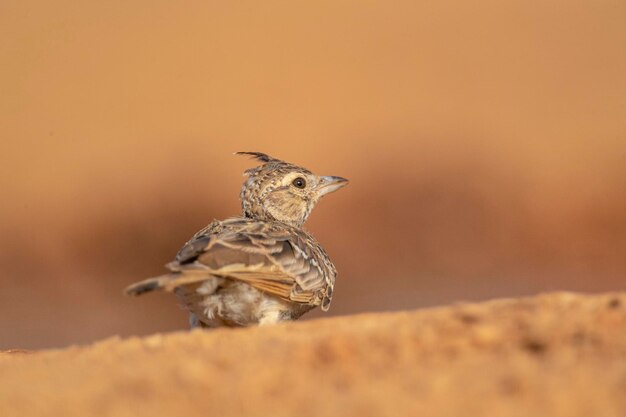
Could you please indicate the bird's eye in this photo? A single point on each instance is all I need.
(299, 182)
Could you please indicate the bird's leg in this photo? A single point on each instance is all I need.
(195, 323)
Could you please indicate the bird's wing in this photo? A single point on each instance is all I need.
(272, 257)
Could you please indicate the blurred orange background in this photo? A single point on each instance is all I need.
(485, 143)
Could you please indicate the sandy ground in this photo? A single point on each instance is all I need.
(551, 355)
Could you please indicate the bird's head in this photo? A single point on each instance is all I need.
(280, 191)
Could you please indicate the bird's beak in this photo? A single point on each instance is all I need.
(329, 184)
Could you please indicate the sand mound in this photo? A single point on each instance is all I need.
(551, 355)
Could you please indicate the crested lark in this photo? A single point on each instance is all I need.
(262, 267)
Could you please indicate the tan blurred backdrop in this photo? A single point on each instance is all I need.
(485, 143)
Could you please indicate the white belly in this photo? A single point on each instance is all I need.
(222, 302)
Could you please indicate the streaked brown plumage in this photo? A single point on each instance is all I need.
(260, 268)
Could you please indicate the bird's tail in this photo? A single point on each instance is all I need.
(150, 284)
(167, 282)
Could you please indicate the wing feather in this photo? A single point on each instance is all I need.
(272, 257)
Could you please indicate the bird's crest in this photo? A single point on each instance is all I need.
(269, 163)
(259, 156)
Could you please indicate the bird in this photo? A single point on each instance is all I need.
(259, 268)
